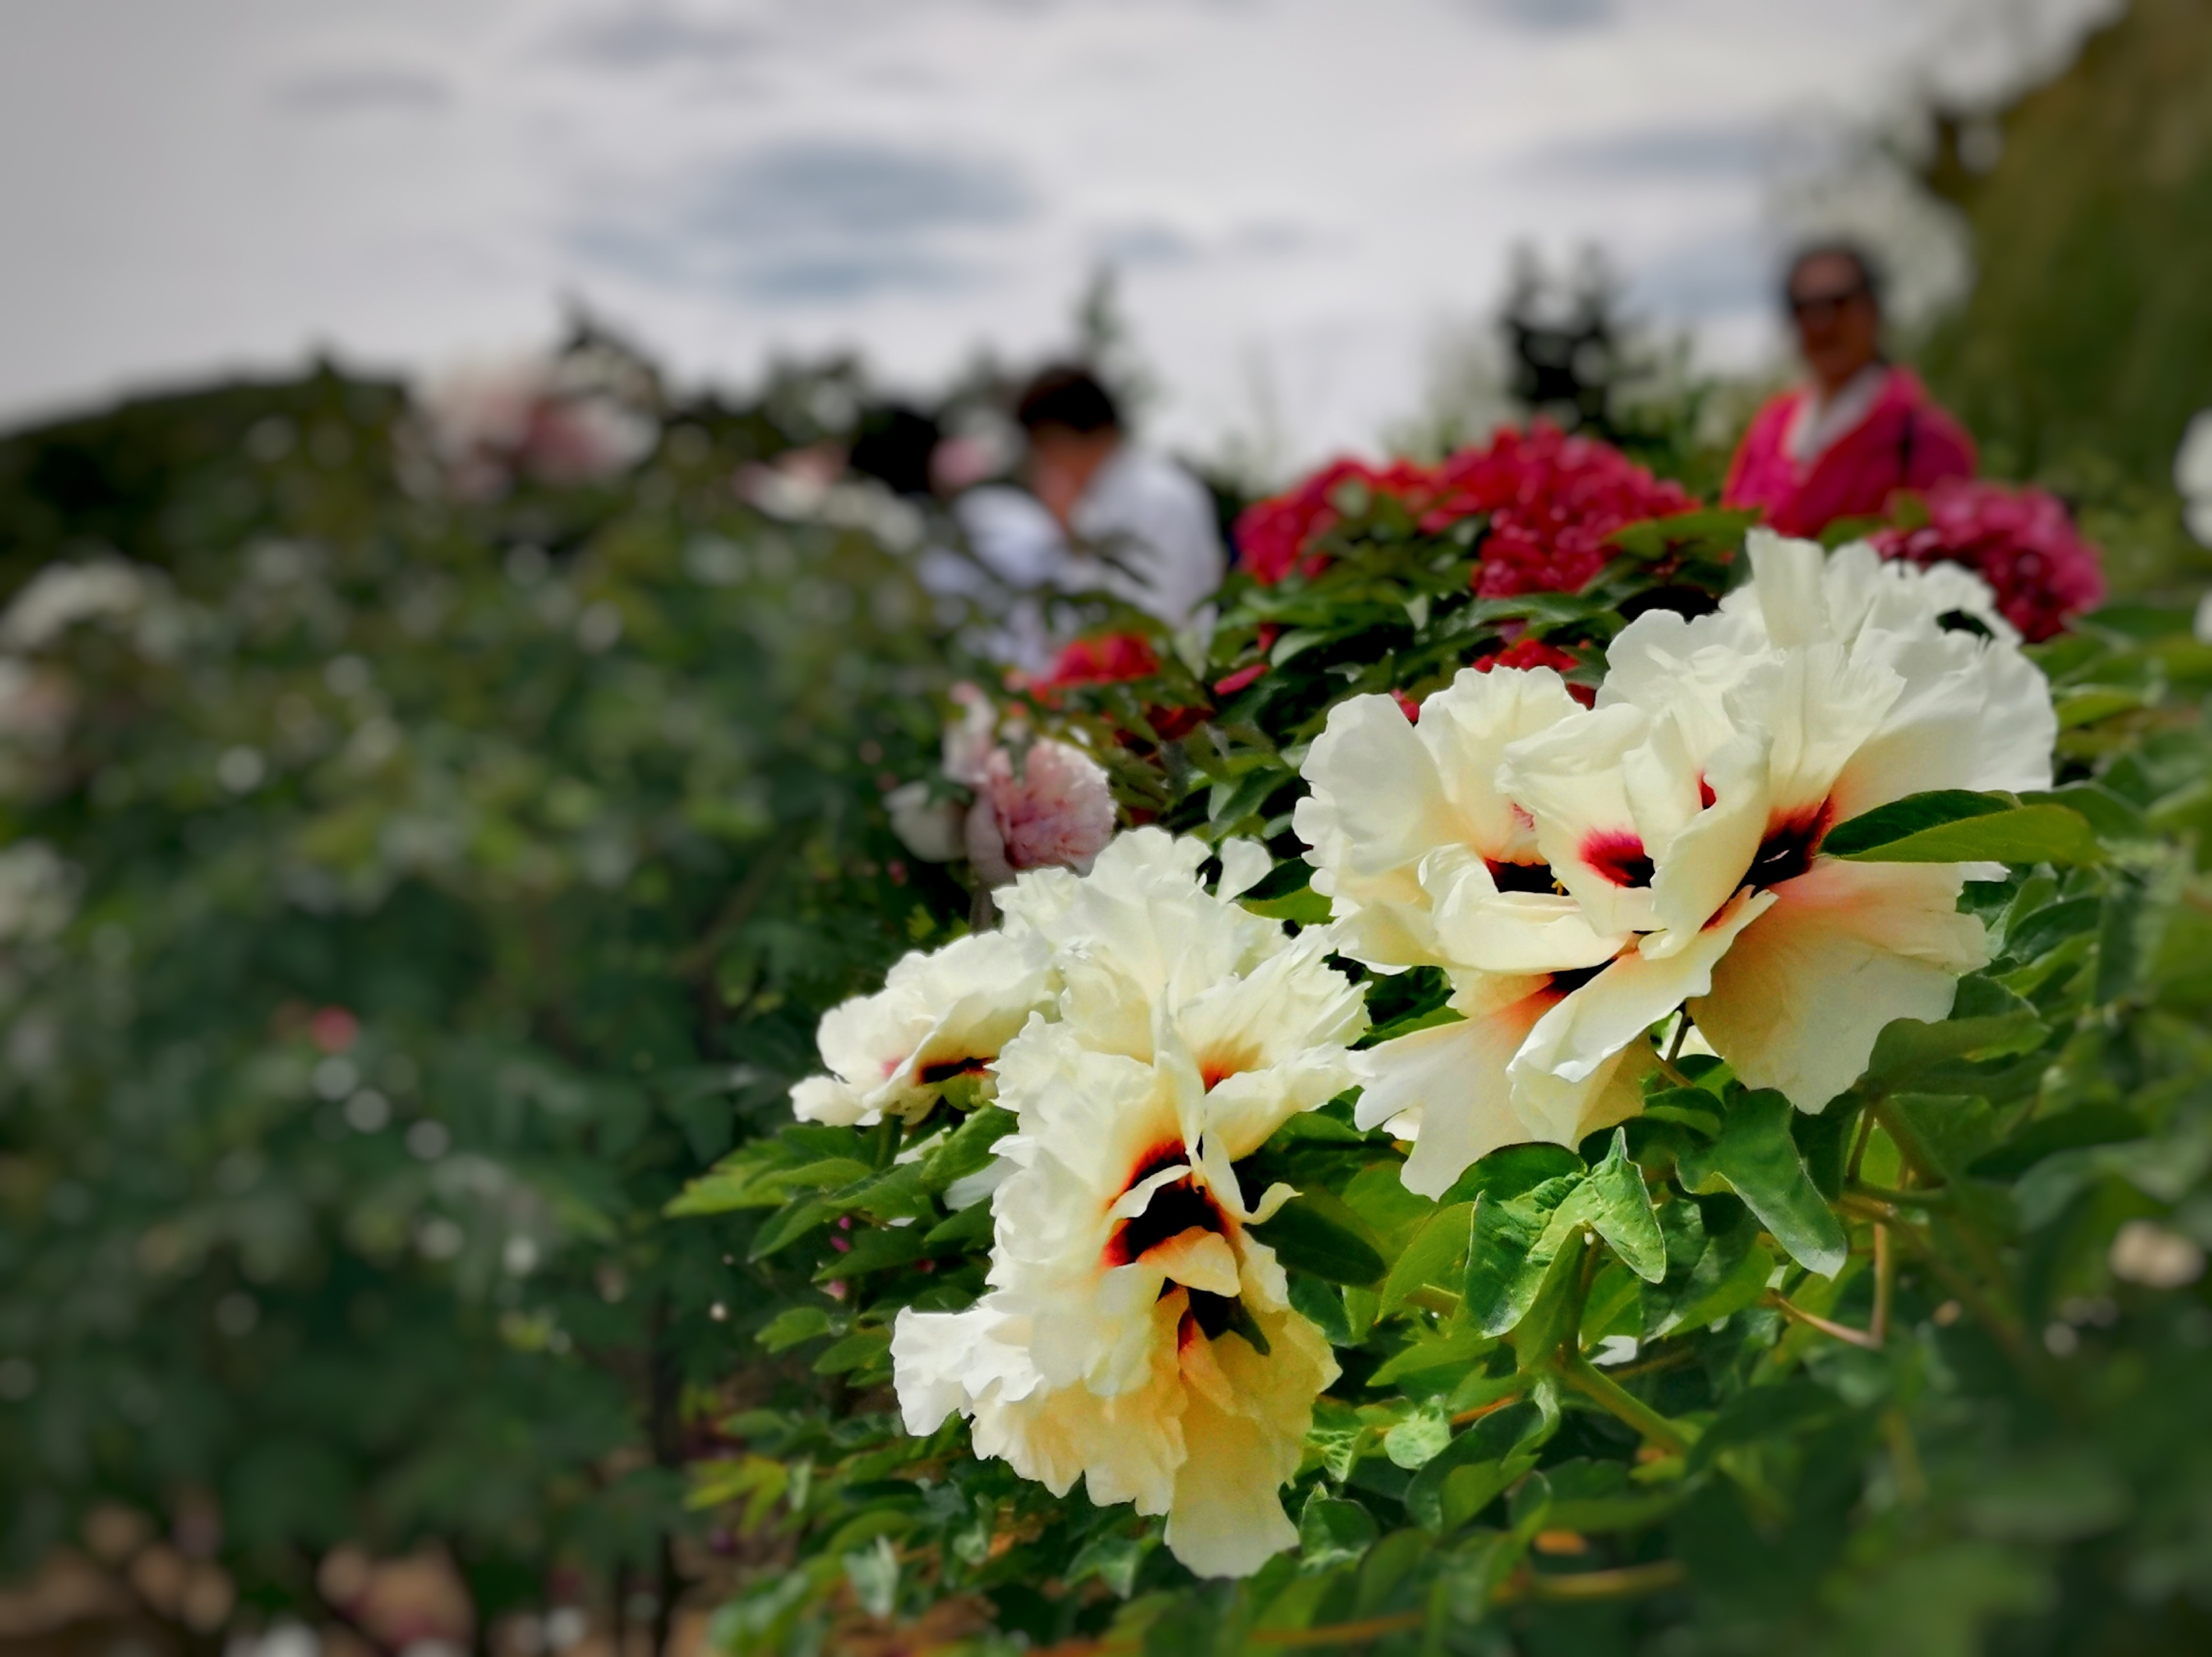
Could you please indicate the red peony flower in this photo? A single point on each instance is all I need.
(2021, 541)
(1273, 535)
(1553, 502)
(1536, 653)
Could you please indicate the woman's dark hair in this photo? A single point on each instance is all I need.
(1070, 397)
(1854, 254)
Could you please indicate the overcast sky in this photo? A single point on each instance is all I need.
(1299, 193)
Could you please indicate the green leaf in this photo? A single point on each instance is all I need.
(787, 1226)
(796, 1324)
(1730, 1275)
(2084, 1125)
(969, 1228)
(1512, 1249)
(1413, 1441)
(862, 1347)
(1950, 825)
(1468, 1490)
(1334, 1532)
(1439, 1245)
(1620, 1212)
(1455, 1348)
(1987, 1021)
(1113, 1557)
(1756, 1158)
(1509, 1171)
(1514, 1431)
(1337, 1435)
(1916, 813)
(1306, 1238)
(876, 1248)
(1231, 803)
(1304, 907)
(967, 1149)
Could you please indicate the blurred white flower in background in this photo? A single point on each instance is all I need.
(37, 892)
(61, 595)
(2192, 475)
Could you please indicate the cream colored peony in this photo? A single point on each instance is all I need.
(1427, 863)
(1690, 804)
(940, 1016)
(1135, 1334)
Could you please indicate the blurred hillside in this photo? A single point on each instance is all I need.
(2089, 332)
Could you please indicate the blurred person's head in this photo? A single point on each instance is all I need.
(894, 446)
(1834, 294)
(1072, 425)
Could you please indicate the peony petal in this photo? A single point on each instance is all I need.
(1450, 1083)
(1597, 1021)
(1244, 864)
(1845, 949)
(825, 1099)
(1244, 1435)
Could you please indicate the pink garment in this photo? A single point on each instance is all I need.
(1905, 441)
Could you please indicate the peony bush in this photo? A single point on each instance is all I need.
(1622, 1084)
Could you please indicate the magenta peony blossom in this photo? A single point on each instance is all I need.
(2021, 541)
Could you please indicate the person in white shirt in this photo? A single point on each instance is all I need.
(1137, 526)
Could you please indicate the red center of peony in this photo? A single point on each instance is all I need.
(1619, 857)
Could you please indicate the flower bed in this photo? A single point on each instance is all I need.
(1605, 1040)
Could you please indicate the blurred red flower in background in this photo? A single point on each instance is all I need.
(1554, 501)
(2021, 541)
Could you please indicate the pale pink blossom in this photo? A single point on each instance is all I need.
(578, 417)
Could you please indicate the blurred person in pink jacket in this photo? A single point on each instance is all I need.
(1862, 428)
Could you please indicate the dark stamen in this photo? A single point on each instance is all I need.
(1521, 877)
(1173, 1211)
(1787, 851)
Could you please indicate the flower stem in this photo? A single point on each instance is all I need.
(1616, 1400)
(1862, 1337)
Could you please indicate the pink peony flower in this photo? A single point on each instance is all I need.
(577, 417)
(2021, 541)
(1056, 810)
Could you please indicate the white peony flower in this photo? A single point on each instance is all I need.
(1691, 802)
(1135, 1334)
(939, 1015)
(1427, 863)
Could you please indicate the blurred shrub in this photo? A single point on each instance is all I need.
(2090, 205)
(401, 900)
